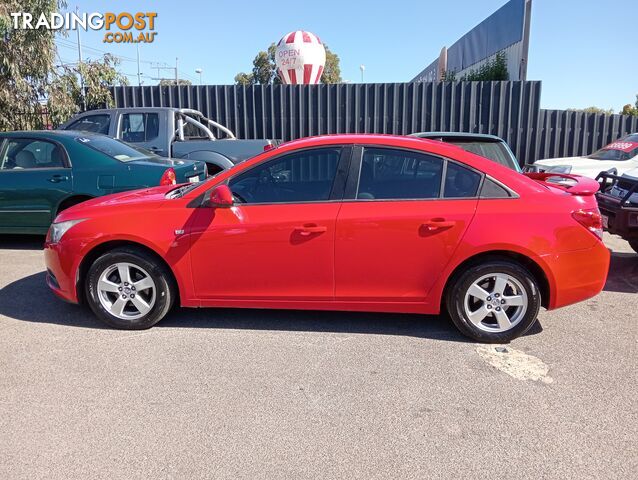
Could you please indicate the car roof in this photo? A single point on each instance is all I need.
(484, 137)
(50, 134)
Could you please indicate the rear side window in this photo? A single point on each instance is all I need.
(460, 182)
(491, 189)
(396, 174)
(92, 123)
(140, 127)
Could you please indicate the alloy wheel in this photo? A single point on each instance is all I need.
(496, 302)
(126, 291)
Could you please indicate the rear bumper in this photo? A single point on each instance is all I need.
(60, 272)
(578, 275)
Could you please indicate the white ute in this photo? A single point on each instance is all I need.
(618, 157)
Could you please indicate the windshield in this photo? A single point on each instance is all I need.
(618, 154)
(113, 148)
(495, 151)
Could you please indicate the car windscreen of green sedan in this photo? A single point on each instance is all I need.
(44, 172)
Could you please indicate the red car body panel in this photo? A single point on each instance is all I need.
(388, 256)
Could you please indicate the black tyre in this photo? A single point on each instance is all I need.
(495, 301)
(634, 245)
(128, 288)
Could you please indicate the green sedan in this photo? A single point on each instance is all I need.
(44, 172)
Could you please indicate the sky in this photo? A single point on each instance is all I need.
(580, 50)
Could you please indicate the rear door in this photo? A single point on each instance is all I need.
(401, 220)
(35, 176)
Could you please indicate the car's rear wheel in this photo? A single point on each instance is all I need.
(129, 289)
(495, 301)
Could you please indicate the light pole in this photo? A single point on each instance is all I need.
(363, 69)
(199, 70)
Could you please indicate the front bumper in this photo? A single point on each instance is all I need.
(61, 272)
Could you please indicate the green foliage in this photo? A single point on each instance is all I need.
(495, 69)
(332, 70)
(26, 59)
(265, 69)
(592, 109)
(66, 96)
(629, 110)
(29, 80)
(171, 82)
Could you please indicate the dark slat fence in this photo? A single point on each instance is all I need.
(508, 109)
(566, 133)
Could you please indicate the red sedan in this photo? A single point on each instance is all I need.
(343, 222)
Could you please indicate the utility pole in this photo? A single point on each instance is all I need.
(363, 69)
(176, 77)
(139, 75)
(77, 29)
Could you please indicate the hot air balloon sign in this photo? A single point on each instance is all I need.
(300, 57)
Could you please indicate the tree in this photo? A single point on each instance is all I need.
(244, 78)
(26, 60)
(171, 82)
(495, 69)
(593, 109)
(331, 71)
(629, 110)
(265, 69)
(66, 96)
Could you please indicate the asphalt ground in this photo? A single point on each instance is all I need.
(286, 394)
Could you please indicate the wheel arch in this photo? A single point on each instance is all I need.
(534, 267)
(104, 247)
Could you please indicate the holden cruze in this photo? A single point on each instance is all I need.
(343, 222)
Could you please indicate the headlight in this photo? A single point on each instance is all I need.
(57, 230)
(559, 169)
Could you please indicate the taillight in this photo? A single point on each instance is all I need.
(591, 219)
(169, 177)
(268, 146)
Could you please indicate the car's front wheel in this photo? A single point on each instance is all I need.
(494, 302)
(129, 289)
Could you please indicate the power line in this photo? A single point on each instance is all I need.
(69, 44)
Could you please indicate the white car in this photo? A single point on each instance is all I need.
(618, 157)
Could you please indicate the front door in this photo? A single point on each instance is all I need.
(397, 233)
(34, 179)
(277, 242)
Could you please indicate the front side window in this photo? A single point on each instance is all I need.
(396, 174)
(22, 154)
(305, 176)
(140, 127)
(92, 123)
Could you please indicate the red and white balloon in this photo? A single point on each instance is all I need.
(300, 58)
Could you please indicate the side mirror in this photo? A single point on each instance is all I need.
(221, 197)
